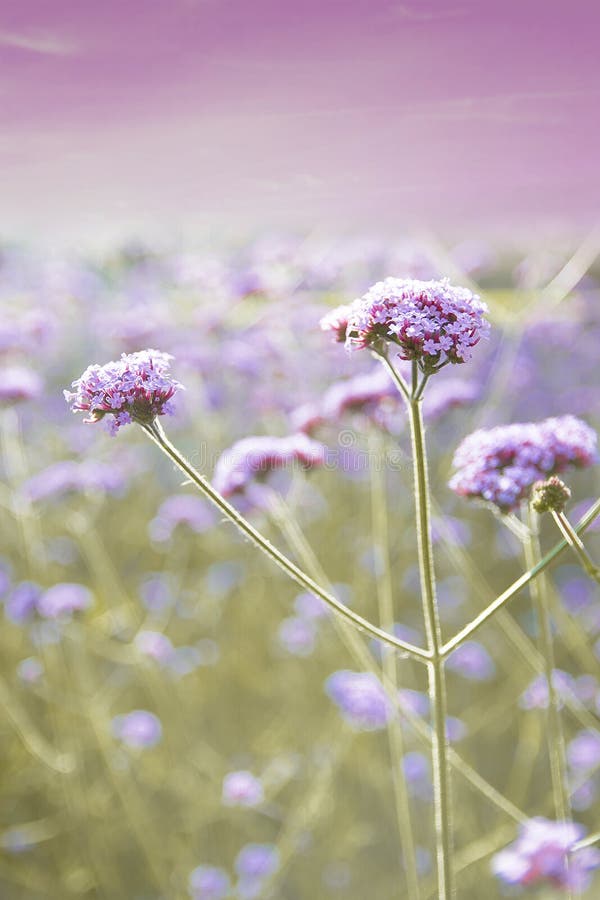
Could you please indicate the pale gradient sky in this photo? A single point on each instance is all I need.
(232, 114)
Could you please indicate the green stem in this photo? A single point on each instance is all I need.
(385, 602)
(157, 434)
(350, 637)
(476, 623)
(435, 667)
(555, 736)
(575, 542)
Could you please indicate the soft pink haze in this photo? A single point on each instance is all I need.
(231, 114)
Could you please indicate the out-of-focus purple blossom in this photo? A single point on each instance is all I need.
(254, 457)
(415, 702)
(27, 332)
(73, 476)
(21, 603)
(242, 788)
(18, 384)
(306, 418)
(255, 862)
(445, 394)
(181, 509)
(138, 729)
(156, 592)
(430, 321)
(185, 660)
(535, 696)
(585, 795)
(297, 635)
(155, 645)
(209, 883)
(362, 393)
(577, 592)
(336, 322)
(449, 528)
(222, 577)
(500, 465)
(361, 699)
(136, 388)
(16, 840)
(310, 607)
(417, 771)
(472, 660)
(583, 752)
(30, 670)
(580, 509)
(62, 600)
(456, 729)
(543, 854)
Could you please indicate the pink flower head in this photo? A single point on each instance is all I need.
(254, 457)
(242, 788)
(430, 321)
(360, 393)
(136, 388)
(500, 465)
(336, 322)
(18, 384)
(543, 854)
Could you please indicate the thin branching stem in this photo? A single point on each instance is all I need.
(157, 434)
(484, 616)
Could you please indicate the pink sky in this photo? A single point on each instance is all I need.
(240, 114)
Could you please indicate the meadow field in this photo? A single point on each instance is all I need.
(179, 718)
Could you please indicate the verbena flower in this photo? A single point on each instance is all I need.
(155, 645)
(297, 635)
(242, 788)
(136, 388)
(549, 495)
(362, 393)
(336, 322)
(361, 699)
(256, 862)
(543, 853)
(472, 661)
(181, 509)
(17, 384)
(70, 475)
(254, 457)
(431, 322)
(209, 883)
(62, 600)
(500, 465)
(138, 729)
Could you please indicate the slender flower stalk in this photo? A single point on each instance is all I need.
(155, 431)
(576, 544)
(556, 743)
(385, 600)
(435, 665)
(521, 582)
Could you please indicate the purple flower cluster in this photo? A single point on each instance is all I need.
(57, 602)
(254, 457)
(70, 475)
(254, 864)
(361, 699)
(242, 788)
(209, 883)
(138, 729)
(18, 383)
(543, 853)
(181, 509)
(336, 322)
(500, 465)
(430, 321)
(136, 388)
